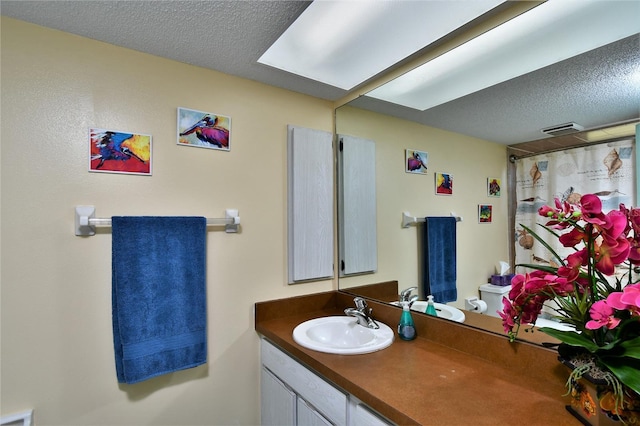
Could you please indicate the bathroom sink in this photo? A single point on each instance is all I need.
(543, 322)
(444, 311)
(342, 335)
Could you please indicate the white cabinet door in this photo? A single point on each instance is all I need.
(327, 399)
(278, 402)
(293, 395)
(307, 416)
(358, 248)
(362, 416)
(310, 204)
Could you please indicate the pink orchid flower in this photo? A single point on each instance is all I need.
(616, 224)
(591, 207)
(628, 299)
(558, 216)
(574, 261)
(573, 237)
(611, 253)
(508, 315)
(631, 295)
(633, 215)
(634, 251)
(633, 224)
(602, 316)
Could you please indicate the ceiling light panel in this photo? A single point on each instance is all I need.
(549, 33)
(344, 43)
(621, 131)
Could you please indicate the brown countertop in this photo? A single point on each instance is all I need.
(450, 375)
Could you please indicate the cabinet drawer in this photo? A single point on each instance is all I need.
(328, 400)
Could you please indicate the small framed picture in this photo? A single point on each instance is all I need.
(113, 151)
(485, 213)
(493, 187)
(416, 161)
(444, 183)
(204, 129)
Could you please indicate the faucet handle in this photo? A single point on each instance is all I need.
(361, 304)
(404, 294)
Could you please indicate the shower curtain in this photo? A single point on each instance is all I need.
(607, 170)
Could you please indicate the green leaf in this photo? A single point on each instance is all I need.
(543, 242)
(625, 369)
(544, 268)
(572, 338)
(631, 348)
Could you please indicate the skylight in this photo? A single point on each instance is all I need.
(549, 33)
(344, 43)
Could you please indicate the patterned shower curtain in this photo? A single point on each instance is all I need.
(607, 170)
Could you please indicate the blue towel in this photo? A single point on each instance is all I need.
(439, 268)
(159, 306)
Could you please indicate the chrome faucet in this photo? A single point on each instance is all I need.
(362, 313)
(405, 295)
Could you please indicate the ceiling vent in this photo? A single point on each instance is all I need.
(563, 129)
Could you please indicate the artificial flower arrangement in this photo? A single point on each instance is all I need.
(595, 294)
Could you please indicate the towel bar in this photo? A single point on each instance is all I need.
(407, 219)
(86, 222)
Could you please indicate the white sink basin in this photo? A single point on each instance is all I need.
(542, 322)
(443, 311)
(342, 335)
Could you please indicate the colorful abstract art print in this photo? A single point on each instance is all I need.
(416, 161)
(444, 183)
(485, 213)
(112, 151)
(204, 129)
(494, 187)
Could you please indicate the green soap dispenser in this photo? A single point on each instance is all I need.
(431, 308)
(406, 328)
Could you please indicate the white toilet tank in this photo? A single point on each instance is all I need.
(492, 296)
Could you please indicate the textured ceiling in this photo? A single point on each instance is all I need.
(594, 89)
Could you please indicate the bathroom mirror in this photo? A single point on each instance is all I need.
(455, 135)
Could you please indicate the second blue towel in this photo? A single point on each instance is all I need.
(439, 267)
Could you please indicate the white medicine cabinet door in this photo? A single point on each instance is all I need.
(358, 248)
(310, 204)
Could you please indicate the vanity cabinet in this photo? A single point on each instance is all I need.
(282, 406)
(291, 394)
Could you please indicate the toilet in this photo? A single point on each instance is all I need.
(492, 295)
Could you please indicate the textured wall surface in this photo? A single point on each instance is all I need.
(57, 349)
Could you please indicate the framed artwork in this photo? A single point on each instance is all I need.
(493, 187)
(113, 151)
(485, 213)
(416, 161)
(444, 183)
(204, 129)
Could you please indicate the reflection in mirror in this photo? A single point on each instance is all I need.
(469, 161)
(388, 292)
(357, 243)
(526, 103)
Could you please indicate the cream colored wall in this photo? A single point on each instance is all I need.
(57, 351)
(469, 160)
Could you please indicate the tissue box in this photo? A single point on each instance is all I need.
(502, 280)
